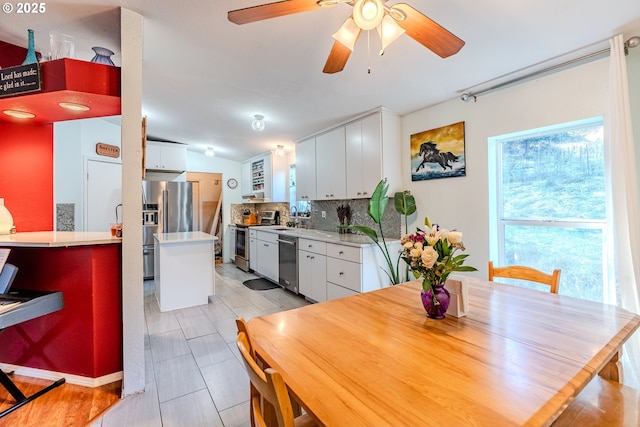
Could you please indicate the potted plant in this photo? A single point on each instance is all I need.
(405, 204)
(432, 255)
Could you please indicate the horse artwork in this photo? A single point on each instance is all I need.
(438, 153)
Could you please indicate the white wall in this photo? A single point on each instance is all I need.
(197, 162)
(463, 203)
(74, 141)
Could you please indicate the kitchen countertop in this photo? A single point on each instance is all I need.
(184, 237)
(348, 239)
(54, 239)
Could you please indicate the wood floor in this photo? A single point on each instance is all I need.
(67, 405)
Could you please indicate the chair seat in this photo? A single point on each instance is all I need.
(603, 403)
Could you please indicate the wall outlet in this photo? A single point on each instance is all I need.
(324, 214)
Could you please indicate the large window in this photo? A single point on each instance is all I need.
(550, 204)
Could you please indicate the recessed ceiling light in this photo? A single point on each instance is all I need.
(19, 114)
(73, 106)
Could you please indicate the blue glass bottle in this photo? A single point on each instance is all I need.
(31, 50)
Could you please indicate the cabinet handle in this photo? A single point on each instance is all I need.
(341, 252)
(358, 193)
(326, 195)
(313, 257)
(365, 193)
(341, 274)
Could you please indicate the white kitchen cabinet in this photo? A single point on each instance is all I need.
(267, 250)
(312, 269)
(266, 176)
(334, 292)
(306, 169)
(351, 158)
(372, 153)
(356, 269)
(164, 156)
(330, 165)
(253, 249)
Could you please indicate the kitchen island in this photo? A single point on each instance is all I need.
(83, 341)
(184, 269)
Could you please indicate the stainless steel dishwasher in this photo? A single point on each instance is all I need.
(288, 262)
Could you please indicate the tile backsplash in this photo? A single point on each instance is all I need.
(391, 222)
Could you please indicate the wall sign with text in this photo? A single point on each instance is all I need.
(20, 79)
(107, 150)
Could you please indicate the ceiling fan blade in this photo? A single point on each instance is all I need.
(337, 58)
(271, 10)
(428, 33)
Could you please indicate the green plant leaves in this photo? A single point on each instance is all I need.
(404, 202)
(379, 201)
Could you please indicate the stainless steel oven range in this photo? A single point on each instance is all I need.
(242, 247)
(242, 254)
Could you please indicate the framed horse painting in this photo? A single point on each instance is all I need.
(438, 153)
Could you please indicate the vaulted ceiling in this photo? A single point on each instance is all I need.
(205, 77)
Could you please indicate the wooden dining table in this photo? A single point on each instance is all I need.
(518, 358)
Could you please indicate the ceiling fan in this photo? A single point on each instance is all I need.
(390, 21)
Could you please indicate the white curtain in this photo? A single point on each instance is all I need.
(624, 211)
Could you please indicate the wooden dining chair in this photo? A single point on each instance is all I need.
(268, 385)
(526, 273)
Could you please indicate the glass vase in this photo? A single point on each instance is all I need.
(102, 56)
(437, 306)
(31, 50)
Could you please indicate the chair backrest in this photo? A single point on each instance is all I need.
(268, 385)
(241, 324)
(526, 273)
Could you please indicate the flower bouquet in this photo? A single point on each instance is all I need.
(432, 255)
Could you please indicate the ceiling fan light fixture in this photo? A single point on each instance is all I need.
(347, 34)
(209, 152)
(280, 150)
(389, 31)
(396, 14)
(368, 14)
(258, 123)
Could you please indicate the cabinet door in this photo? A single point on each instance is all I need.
(331, 182)
(253, 253)
(363, 156)
(305, 265)
(174, 157)
(312, 276)
(306, 170)
(371, 153)
(354, 160)
(153, 156)
(268, 260)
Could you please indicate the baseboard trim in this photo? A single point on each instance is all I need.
(70, 378)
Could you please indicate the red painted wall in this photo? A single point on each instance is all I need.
(26, 174)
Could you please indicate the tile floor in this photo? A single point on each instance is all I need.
(194, 374)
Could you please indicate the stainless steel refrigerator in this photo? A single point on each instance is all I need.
(167, 207)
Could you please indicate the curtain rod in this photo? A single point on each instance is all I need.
(469, 95)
